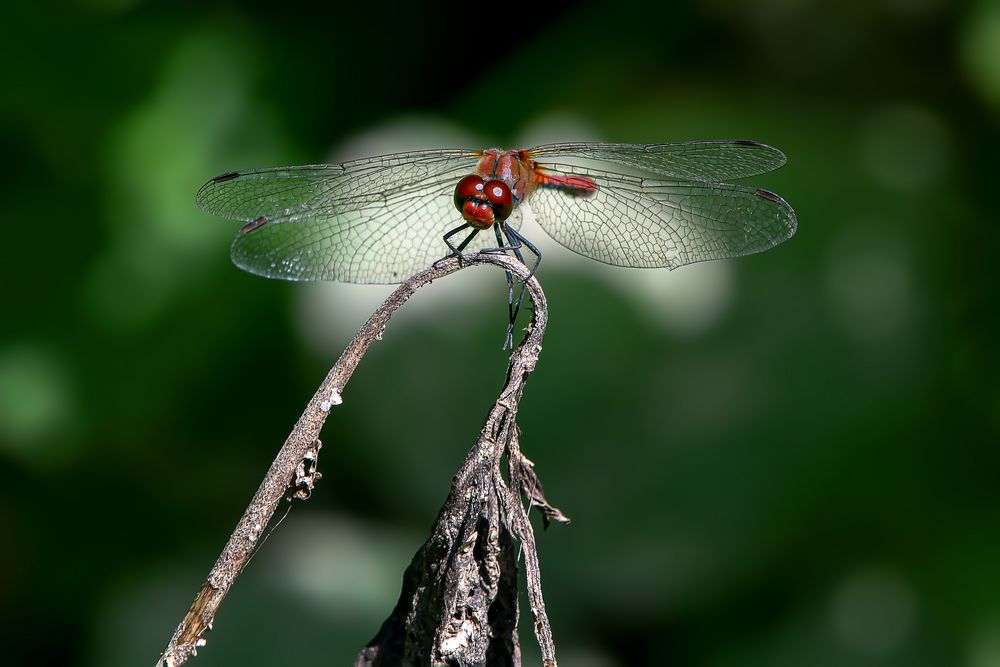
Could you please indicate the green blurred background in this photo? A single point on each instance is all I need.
(787, 459)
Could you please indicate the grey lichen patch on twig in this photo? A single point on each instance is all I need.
(459, 600)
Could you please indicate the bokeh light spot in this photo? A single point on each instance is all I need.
(688, 301)
(873, 612)
(341, 567)
(36, 404)
(870, 285)
(905, 147)
(405, 133)
(984, 646)
(163, 150)
(980, 50)
(554, 126)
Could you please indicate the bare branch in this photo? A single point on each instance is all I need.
(458, 604)
(292, 474)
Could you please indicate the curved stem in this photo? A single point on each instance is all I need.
(292, 471)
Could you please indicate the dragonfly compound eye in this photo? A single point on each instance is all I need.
(467, 189)
(498, 194)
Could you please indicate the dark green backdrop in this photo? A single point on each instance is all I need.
(787, 459)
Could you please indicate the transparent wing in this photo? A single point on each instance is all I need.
(712, 161)
(632, 221)
(378, 242)
(376, 220)
(297, 194)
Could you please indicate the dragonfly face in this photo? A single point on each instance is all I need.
(483, 202)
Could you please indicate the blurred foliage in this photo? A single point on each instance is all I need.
(789, 459)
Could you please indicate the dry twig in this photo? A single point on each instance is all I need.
(458, 605)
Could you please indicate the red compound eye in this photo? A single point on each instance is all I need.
(468, 188)
(499, 195)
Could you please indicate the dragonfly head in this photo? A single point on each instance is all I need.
(483, 202)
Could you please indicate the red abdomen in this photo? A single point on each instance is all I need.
(575, 186)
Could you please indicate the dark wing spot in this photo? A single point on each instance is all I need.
(255, 225)
(748, 142)
(228, 176)
(767, 194)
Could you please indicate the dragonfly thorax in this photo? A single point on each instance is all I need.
(483, 202)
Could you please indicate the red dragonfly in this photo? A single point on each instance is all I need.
(379, 219)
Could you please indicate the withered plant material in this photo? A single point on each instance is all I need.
(458, 605)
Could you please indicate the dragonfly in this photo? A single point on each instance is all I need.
(380, 219)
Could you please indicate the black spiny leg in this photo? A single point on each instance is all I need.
(509, 339)
(456, 251)
(515, 241)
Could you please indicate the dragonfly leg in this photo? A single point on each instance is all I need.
(515, 240)
(509, 240)
(514, 243)
(456, 250)
(510, 276)
(511, 314)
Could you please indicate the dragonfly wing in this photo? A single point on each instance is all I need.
(376, 220)
(380, 242)
(711, 161)
(637, 222)
(294, 194)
